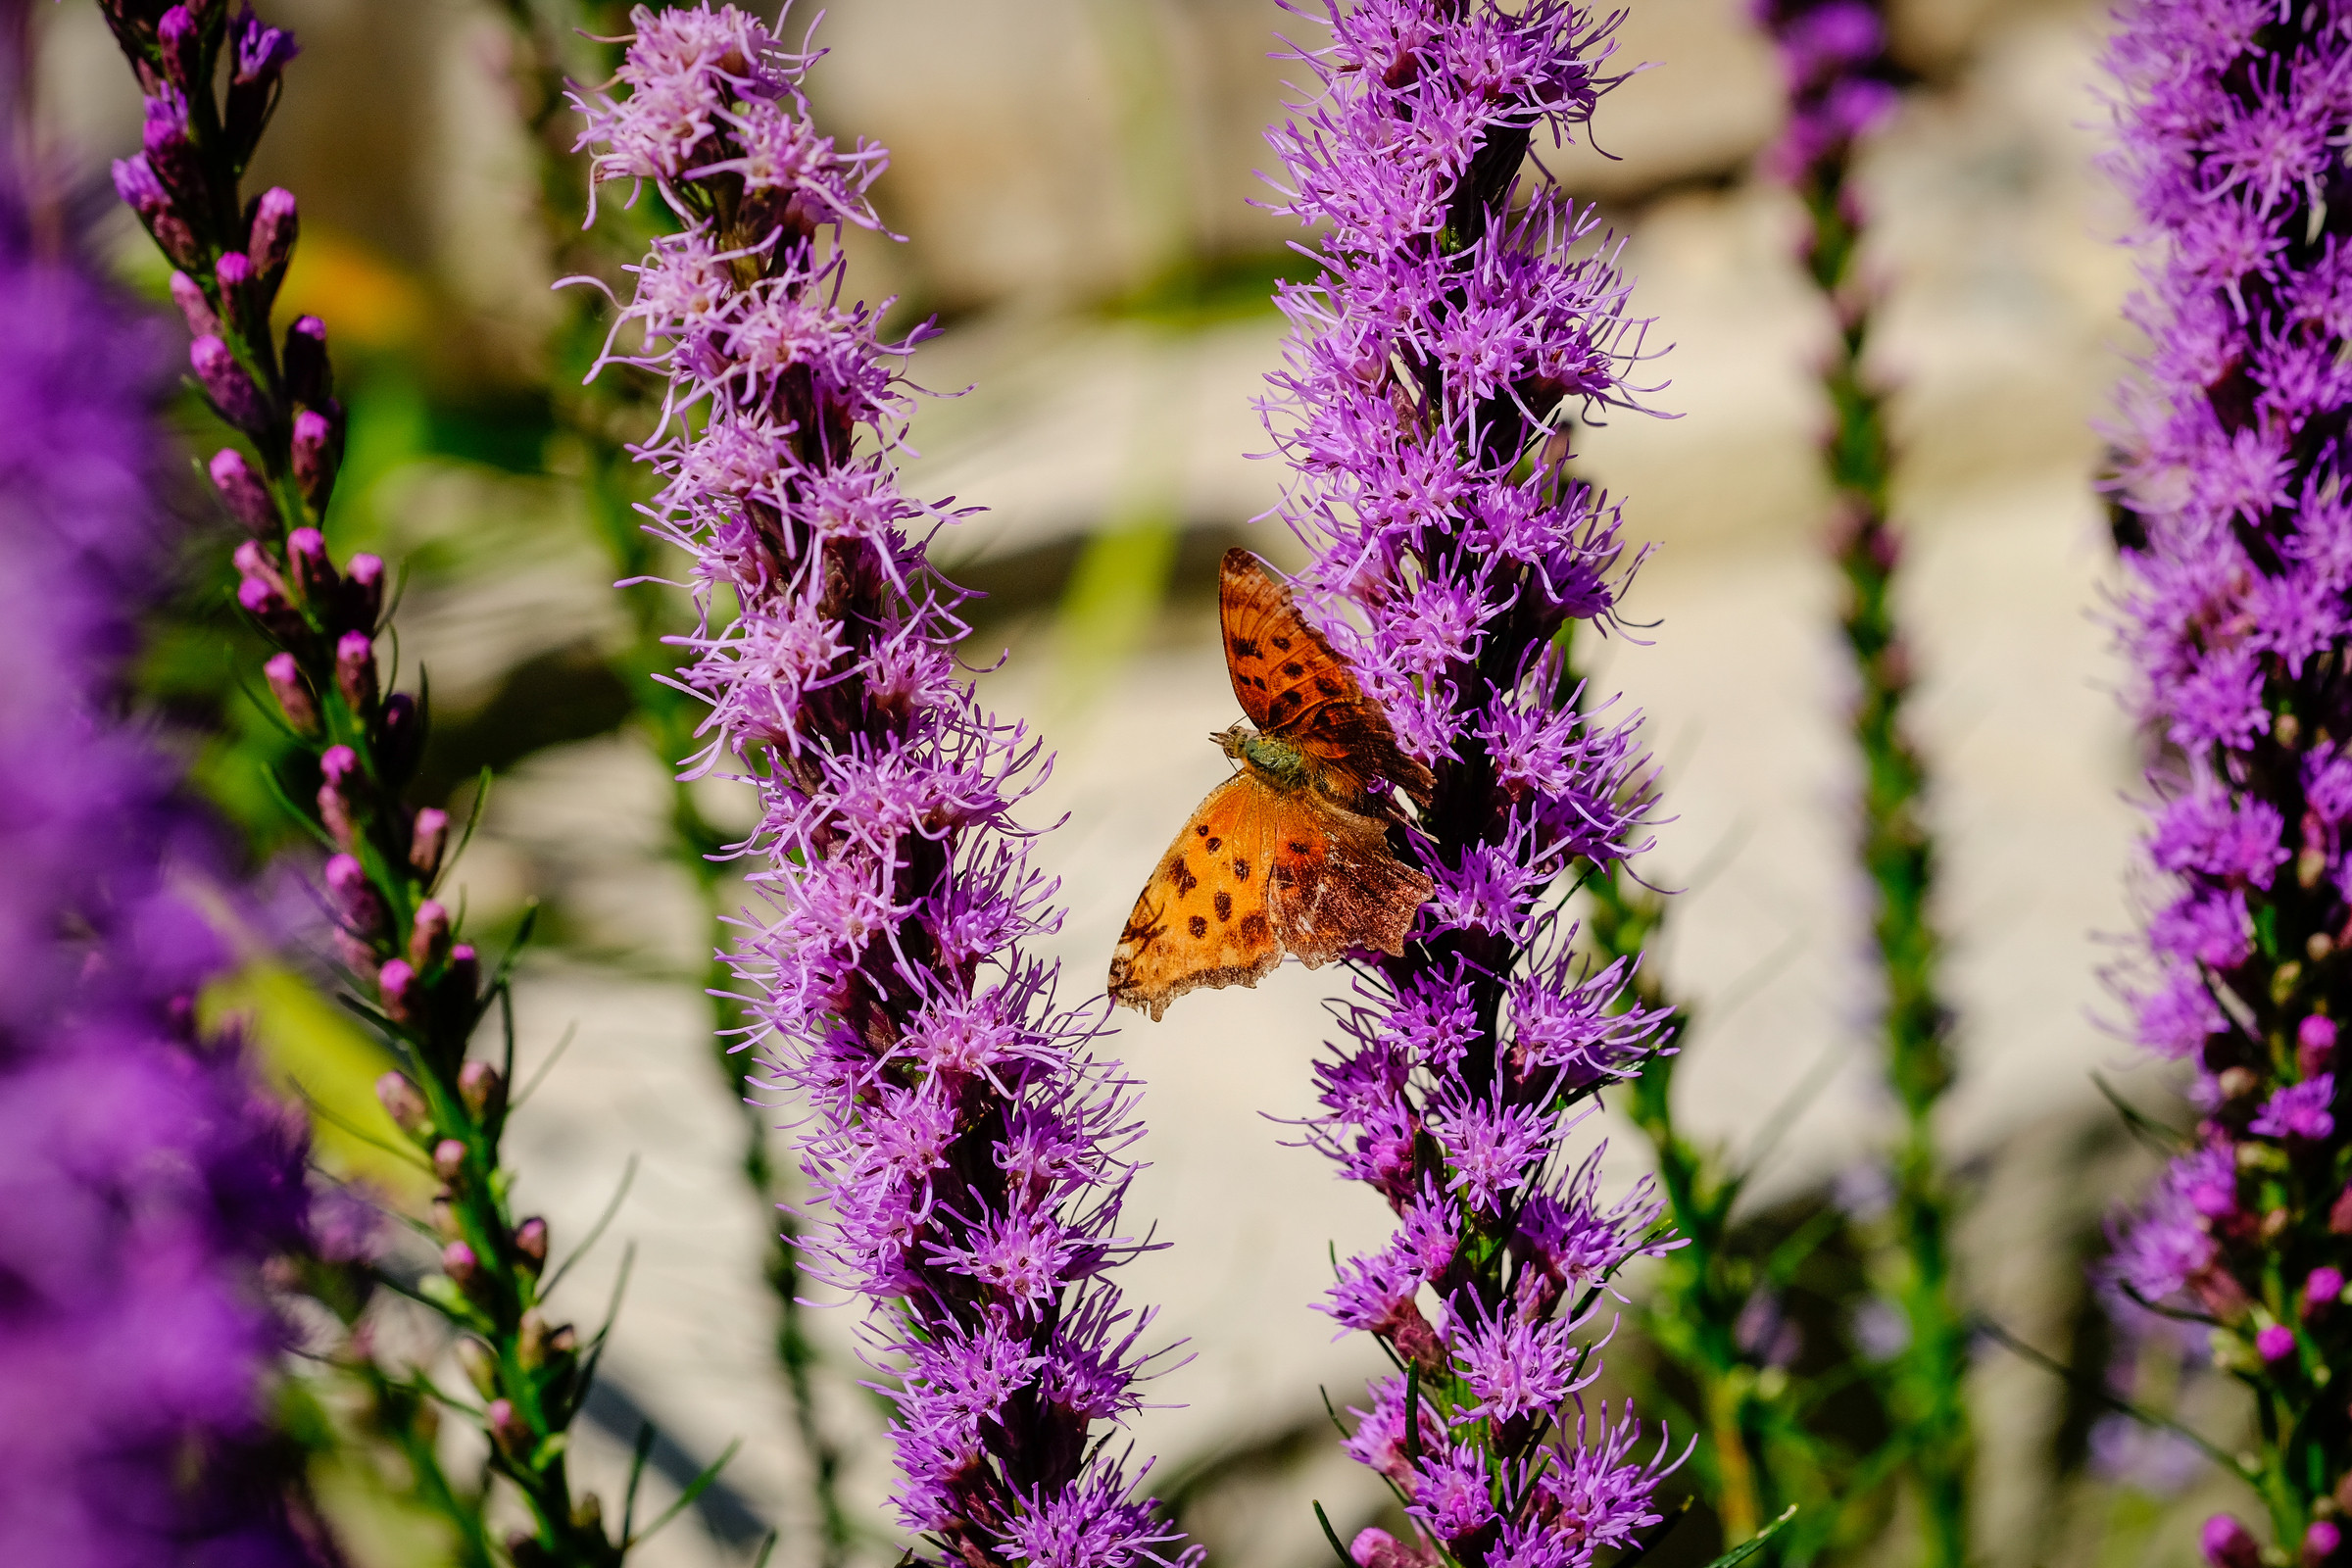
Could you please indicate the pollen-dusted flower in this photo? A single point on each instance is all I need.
(1460, 312)
(2233, 120)
(966, 1151)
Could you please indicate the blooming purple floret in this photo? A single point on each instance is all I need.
(1459, 314)
(144, 1179)
(2239, 539)
(967, 1150)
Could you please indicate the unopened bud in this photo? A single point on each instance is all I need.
(465, 972)
(449, 1159)
(426, 840)
(401, 991)
(506, 1428)
(194, 308)
(2339, 1214)
(530, 1341)
(564, 1341)
(399, 739)
(357, 956)
(232, 274)
(530, 1243)
(318, 451)
(588, 1515)
(309, 379)
(270, 243)
(355, 671)
(312, 567)
(428, 939)
(364, 593)
(356, 904)
(241, 490)
(2315, 1043)
(2323, 1288)
(336, 765)
(293, 694)
(458, 1260)
(2274, 1343)
(481, 1089)
(480, 1366)
(2236, 1083)
(2310, 864)
(405, 1104)
(2286, 729)
(227, 384)
(181, 42)
(2320, 1542)
(2228, 1544)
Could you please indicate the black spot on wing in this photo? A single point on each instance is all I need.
(1293, 669)
(1224, 902)
(1215, 844)
(1245, 648)
(1198, 925)
(1254, 929)
(1184, 879)
(1241, 869)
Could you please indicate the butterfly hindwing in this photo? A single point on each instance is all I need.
(1336, 886)
(1202, 918)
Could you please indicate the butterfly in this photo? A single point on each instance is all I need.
(1291, 853)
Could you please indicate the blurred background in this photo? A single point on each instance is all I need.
(1074, 181)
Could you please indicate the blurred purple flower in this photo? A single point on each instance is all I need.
(1840, 82)
(967, 1149)
(1420, 408)
(144, 1179)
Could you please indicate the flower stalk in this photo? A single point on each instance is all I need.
(966, 1151)
(210, 81)
(1460, 314)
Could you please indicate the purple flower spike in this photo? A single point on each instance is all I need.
(967, 1150)
(2235, 484)
(147, 1180)
(1460, 316)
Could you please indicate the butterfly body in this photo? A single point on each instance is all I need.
(1291, 853)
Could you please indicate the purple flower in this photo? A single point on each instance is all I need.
(2299, 1110)
(967, 1151)
(144, 1179)
(1458, 315)
(2237, 617)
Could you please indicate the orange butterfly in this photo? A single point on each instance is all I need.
(1291, 853)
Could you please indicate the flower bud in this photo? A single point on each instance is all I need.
(334, 814)
(405, 1104)
(2315, 1043)
(2236, 1083)
(588, 1515)
(460, 1264)
(181, 43)
(364, 593)
(531, 1243)
(293, 694)
(2274, 1343)
(399, 739)
(337, 765)
(2323, 1288)
(449, 1160)
(356, 904)
(464, 975)
(135, 182)
(355, 671)
(318, 449)
(2321, 1541)
(2228, 1544)
(428, 939)
(484, 1092)
(226, 382)
(233, 275)
(163, 141)
(401, 991)
(2339, 1214)
(310, 381)
(241, 489)
(270, 242)
(313, 568)
(530, 1341)
(194, 308)
(480, 1366)
(506, 1428)
(426, 840)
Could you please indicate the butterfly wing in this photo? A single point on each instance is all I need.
(1201, 919)
(1336, 886)
(1292, 685)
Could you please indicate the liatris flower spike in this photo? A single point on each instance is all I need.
(967, 1152)
(1842, 84)
(1459, 311)
(2232, 121)
(212, 79)
(144, 1179)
